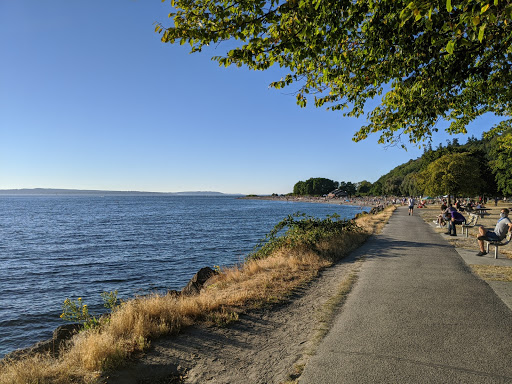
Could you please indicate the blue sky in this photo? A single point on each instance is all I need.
(91, 99)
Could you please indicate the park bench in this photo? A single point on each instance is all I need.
(497, 244)
(482, 211)
(469, 224)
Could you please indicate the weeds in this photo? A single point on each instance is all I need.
(78, 312)
(307, 232)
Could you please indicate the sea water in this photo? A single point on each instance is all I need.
(58, 247)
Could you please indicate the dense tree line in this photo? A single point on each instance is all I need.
(317, 186)
(479, 167)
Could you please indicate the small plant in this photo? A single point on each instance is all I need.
(110, 300)
(78, 312)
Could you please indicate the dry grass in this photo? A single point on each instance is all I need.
(493, 272)
(236, 289)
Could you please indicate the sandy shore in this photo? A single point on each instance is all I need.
(353, 201)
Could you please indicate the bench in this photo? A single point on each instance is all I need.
(469, 224)
(482, 211)
(497, 243)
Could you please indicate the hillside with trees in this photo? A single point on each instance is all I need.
(479, 167)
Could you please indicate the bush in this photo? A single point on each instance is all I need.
(306, 232)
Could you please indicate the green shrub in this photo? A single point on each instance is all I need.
(307, 231)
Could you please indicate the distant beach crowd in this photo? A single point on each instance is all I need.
(370, 201)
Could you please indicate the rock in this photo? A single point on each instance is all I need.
(174, 293)
(360, 214)
(195, 285)
(53, 346)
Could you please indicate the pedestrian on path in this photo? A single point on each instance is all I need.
(411, 205)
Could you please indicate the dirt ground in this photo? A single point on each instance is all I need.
(270, 345)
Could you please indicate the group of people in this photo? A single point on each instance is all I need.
(451, 217)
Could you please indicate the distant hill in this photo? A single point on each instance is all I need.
(53, 191)
(199, 193)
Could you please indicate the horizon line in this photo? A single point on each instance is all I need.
(74, 190)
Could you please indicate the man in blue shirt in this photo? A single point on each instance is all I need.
(500, 231)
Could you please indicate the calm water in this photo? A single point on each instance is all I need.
(54, 247)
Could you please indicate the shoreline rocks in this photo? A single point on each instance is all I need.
(198, 282)
(61, 335)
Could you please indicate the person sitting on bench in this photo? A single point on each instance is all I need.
(500, 231)
(456, 219)
(443, 217)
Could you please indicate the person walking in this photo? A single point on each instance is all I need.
(411, 205)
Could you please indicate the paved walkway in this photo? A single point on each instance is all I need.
(416, 315)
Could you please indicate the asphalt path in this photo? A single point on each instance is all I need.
(416, 315)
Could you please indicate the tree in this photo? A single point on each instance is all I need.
(299, 188)
(392, 186)
(376, 189)
(455, 174)
(363, 188)
(423, 60)
(314, 186)
(350, 188)
(501, 163)
(409, 186)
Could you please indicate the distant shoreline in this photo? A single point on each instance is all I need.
(353, 201)
(94, 192)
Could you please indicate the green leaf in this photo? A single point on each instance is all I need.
(450, 46)
(485, 8)
(449, 5)
(481, 33)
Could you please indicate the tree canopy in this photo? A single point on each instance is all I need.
(419, 176)
(314, 186)
(455, 174)
(501, 161)
(423, 61)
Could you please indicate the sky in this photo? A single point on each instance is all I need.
(90, 98)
